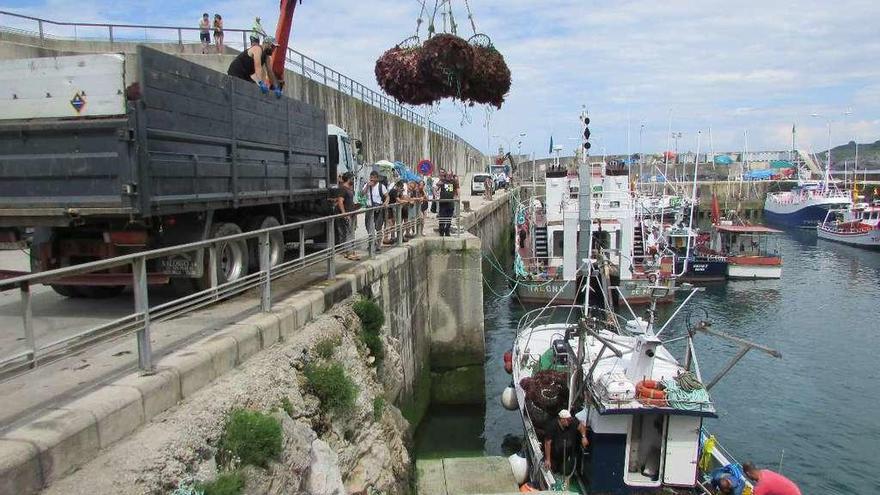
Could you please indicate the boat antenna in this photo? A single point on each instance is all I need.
(687, 252)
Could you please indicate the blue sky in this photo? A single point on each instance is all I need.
(735, 66)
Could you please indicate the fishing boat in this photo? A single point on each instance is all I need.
(643, 408)
(856, 226)
(547, 231)
(694, 261)
(805, 205)
(752, 251)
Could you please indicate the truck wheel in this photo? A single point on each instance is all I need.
(67, 290)
(232, 262)
(276, 242)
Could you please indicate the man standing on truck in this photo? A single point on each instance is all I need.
(254, 65)
(257, 32)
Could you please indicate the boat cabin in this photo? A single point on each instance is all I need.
(744, 240)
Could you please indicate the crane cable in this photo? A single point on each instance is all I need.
(470, 16)
(419, 21)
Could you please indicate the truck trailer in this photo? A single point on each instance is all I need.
(107, 154)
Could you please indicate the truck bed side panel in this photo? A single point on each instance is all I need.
(214, 141)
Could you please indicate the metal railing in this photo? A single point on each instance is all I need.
(36, 354)
(189, 36)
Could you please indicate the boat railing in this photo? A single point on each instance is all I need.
(545, 315)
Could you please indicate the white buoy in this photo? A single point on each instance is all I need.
(519, 466)
(508, 399)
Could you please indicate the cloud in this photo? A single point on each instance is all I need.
(735, 66)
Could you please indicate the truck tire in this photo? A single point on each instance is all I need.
(67, 290)
(232, 263)
(276, 242)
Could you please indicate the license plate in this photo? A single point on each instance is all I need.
(181, 264)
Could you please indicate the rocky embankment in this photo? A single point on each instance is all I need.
(361, 448)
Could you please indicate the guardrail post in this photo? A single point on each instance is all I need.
(244, 40)
(27, 317)
(142, 307)
(180, 38)
(331, 246)
(398, 220)
(40, 28)
(212, 270)
(457, 207)
(110, 29)
(325, 75)
(371, 233)
(266, 271)
(302, 243)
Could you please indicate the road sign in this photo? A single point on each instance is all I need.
(426, 167)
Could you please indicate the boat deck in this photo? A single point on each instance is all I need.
(465, 476)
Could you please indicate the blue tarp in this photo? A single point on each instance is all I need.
(781, 164)
(758, 175)
(723, 160)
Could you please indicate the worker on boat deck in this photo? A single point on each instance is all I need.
(725, 483)
(561, 436)
(768, 482)
(254, 65)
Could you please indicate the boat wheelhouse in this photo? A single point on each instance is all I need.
(752, 251)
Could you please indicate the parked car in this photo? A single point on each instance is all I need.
(478, 183)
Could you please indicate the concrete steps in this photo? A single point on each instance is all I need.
(464, 476)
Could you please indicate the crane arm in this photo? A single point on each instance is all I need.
(282, 36)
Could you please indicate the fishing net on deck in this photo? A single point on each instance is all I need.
(547, 390)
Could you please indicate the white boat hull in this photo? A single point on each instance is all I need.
(754, 271)
(870, 239)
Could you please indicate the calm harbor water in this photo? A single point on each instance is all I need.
(814, 411)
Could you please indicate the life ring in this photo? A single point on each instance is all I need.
(650, 389)
(526, 488)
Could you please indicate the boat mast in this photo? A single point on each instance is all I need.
(687, 253)
(585, 191)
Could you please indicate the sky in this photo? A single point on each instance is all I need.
(747, 68)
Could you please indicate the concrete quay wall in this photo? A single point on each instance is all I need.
(430, 290)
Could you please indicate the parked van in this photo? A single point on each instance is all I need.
(478, 184)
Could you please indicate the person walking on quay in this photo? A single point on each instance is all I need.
(205, 32)
(423, 209)
(377, 195)
(218, 32)
(768, 482)
(344, 203)
(446, 208)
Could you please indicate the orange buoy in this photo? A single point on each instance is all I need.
(650, 389)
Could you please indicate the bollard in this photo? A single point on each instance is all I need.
(266, 273)
(27, 316)
(142, 307)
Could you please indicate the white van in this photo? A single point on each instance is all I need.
(478, 183)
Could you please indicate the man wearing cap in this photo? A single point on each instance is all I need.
(561, 436)
(254, 65)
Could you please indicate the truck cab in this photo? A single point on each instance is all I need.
(345, 155)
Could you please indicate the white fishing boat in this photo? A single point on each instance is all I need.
(856, 226)
(805, 205)
(643, 407)
(547, 231)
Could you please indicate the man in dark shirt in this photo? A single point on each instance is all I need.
(561, 436)
(344, 203)
(446, 209)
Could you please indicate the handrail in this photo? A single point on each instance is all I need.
(314, 70)
(139, 321)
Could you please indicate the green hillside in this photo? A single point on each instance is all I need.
(869, 155)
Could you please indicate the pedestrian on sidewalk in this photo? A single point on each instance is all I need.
(377, 195)
(205, 32)
(423, 209)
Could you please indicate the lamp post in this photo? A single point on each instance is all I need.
(641, 151)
